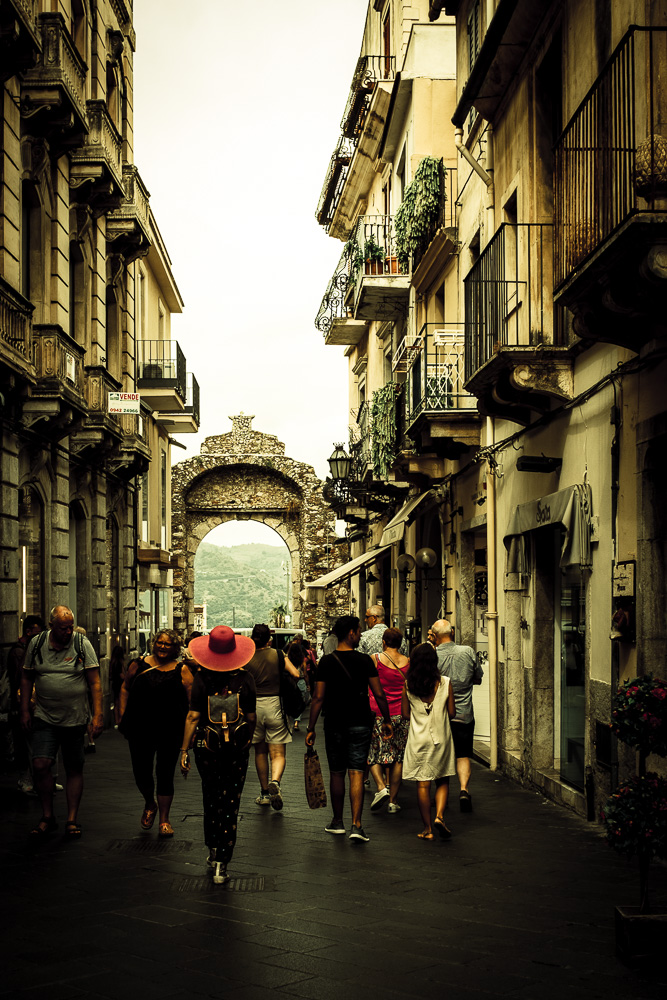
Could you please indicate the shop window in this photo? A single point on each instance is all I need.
(31, 552)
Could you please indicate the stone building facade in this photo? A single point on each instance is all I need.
(86, 293)
(244, 475)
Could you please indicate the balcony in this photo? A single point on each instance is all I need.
(610, 177)
(370, 71)
(441, 417)
(360, 443)
(379, 283)
(96, 170)
(187, 421)
(334, 181)
(58, 394)
(100, 430)
(52, 92)
(161, 375)
(132, 455)
(516, 354)
(15, 329)
(128, 232)
(441, 238)
(20, 43)
(334, 319)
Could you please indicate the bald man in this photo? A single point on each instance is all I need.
(64, 671)
(459, 663)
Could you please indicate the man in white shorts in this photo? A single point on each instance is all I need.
(271, 732)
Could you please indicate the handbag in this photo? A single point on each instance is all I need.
(293, 698)
(226, 724)
(315, 793)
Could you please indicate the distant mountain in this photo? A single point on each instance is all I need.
(241, 583)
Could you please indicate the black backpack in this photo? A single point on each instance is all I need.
(41, 639)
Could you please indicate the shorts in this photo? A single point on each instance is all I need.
(271, 726)
(347, 749)
(48, 739)
(462, 734)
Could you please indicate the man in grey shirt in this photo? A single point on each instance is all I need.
(459, 663)
(64, 671)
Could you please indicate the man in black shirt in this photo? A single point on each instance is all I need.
(341, 694)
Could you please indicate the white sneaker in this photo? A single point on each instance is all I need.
(26, 788)
(393, 807)
(220, 875)
(379, 799)
(57, 787)
(263, 799)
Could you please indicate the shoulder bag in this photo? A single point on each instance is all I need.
(293, 698)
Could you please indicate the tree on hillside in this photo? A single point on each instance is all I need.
(277, 618)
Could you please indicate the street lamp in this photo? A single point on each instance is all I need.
(340, 463)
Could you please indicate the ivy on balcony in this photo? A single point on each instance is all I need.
(419, 209)
(383, 429)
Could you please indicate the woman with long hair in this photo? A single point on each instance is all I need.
(428, 701)
(154, 700)
(388, 754)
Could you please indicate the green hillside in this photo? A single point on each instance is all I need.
(240, 584)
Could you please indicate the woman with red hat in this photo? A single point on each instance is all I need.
(222, 722)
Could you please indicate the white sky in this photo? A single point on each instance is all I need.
(237, 107)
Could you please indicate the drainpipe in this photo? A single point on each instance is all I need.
(486, 175)
(492, 609)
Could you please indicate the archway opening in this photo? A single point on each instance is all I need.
(243, 575)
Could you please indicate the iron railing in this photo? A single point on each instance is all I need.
(360, 443)
(509, 295)
(447, 211)
(334, 182)
(192, 397)
(370, 69)
(161, 364)
(611, 159)
(372, 249)
(437, 373)
(333, 305)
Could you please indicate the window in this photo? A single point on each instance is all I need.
(386, 45)
(474, 33)
(163, 499)
(144, 507)
(139, 301)
(31, 533)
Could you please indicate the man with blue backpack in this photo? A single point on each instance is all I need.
(63, 668)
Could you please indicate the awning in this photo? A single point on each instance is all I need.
(571, 509)
(314, 591)
(395, 530)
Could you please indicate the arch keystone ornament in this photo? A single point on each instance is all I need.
(245, 475)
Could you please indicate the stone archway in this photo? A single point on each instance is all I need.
(245, 475)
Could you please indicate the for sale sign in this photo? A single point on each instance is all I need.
(124, 402)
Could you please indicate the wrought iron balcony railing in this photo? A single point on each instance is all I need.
(161, 364)
(372, 249)
(360, 443)
(509, 295)
(15, 321)
(611, 160)
(192, 397)
(437, 372)
(334, 181)
(333, 305)
(447, 217)
(370, 69)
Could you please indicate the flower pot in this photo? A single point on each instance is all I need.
(373, 266)
(640, 937)
(391, 265)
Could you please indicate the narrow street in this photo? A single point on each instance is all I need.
(520, 903)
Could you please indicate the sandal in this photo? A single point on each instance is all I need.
(166, 830)
(445, 834)
(46, 825)
(72, 830)
(148, 817)
(425, 836)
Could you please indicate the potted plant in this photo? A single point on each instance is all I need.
(635, 816)
(374, 256)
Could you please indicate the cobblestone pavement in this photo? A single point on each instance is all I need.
(518, 904)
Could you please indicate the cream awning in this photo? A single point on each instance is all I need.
(313, 592)
(571, 509)
(395, 530)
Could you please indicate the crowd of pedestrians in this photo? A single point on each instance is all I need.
(387, 716)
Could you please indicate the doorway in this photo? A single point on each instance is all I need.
(569, 674)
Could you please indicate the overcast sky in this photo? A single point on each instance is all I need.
(237, 108)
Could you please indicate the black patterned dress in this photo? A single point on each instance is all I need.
(222, 772)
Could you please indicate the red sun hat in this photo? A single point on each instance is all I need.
(222, 649)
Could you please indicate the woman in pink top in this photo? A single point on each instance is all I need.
(392, 667)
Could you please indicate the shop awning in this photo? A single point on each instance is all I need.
(571, 509)
(395, 530)
(313, 592)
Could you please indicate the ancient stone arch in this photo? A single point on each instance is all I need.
(245, 475)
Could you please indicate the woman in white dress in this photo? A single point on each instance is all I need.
(428, 701)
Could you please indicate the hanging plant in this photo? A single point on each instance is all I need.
(419, 209)
(383, 429)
